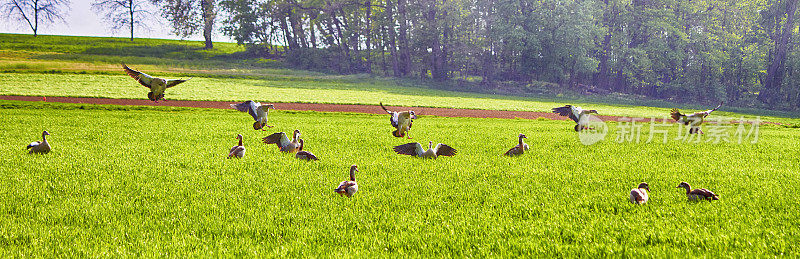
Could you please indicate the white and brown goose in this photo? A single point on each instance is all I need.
(520, 148)
(40, 147)
(693, 120)
(639, 194)
(304, 154)
(237, 151)
(157, 85)
(577, 114)
(282, 141)
(401, 121)
(257, 111)
(415, 149)
(698, 194)
(348, 187)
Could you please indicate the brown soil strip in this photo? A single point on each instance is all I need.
(370, 109)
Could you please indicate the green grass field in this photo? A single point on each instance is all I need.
(154, 181)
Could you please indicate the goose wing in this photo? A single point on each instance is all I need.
(174, 82)
(567, 110)
(703, 192)
(278, 138)
(143, 79)
(444, 150)
(306, 155)
(33, 144)
(235, 149)
(706, 113)
(676, 114)
(395, 119)
(248, 107)
(411, 149)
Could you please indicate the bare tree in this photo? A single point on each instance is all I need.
(188, 16)
(34, 11)
(123, 13)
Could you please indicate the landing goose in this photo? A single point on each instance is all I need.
(577, 114)
(693, 120)
(401, 121)
(282, 141)
(415, 149)
(157, 85)
(258, 111)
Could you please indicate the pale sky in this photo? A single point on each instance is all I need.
(82, 21)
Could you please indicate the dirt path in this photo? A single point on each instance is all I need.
(371, 109)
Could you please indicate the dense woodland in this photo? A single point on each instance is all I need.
(741, 51)
(738, 51)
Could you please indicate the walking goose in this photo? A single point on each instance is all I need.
(415, 149)
(698, 194)
(401, 121)
(283, 142)
(692, 120)
(518, 149)
(237, 151)
(258, 111)
(577, 114)
(157, 85)
(639, 194)
(304, 155)
(348, 187)
(40, 147)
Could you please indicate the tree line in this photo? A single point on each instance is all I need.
(740, 51)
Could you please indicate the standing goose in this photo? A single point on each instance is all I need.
(639, 195)
(518, 149)
(258, 111)
(283, 142)
(157, 85)
(415, 149)
(580, 116)
(348, 187)
(401, 121)
(304, 155)
(237, 151)
(698, 194)
(692, 120)
(40, 147)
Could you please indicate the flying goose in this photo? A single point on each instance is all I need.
(415, 149)
(237, 151)
(698, 194)
(304, 155)
(401, 121)
(580, 116)
(40, 147)
(258, 111)
(693, 120)
(639, 195)
(156, 85)
(518, 149)
(348, 187)
(283, 142)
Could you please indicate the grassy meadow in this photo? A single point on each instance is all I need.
(155, 181)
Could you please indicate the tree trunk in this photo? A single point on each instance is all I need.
(392, 42)
(772, 84)
(404, 57)
(368, 34)
(35, 18)
(208, 21)
(130, 10)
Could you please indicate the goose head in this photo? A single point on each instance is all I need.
(413, 115)
(296, 134)
(353, 170)
(45, 133)
(521, 136)
(430, 144)
(269, 106)
(301, 144)
(684, 185)
(643, 186)
(591, 111)
(239, 137)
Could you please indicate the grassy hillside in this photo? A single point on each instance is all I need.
(89, 66)
(154, 181)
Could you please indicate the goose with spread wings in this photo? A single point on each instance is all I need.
(401, 121)
(282, 141)
(693, 120)
(157, 85)
(415, 149)
(577, 114)
(258, 111)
